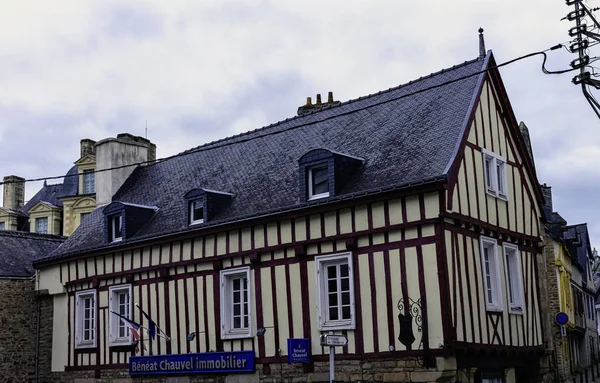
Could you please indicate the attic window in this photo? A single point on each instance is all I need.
(116, 228)
(318, 182)
(205, 204)
(495, 174)
(196, 209)
(323, 173)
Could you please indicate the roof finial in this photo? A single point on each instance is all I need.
(481, 44)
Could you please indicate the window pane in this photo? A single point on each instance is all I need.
(41, 225)
(345, 298)
(489, 169)
(346, 312)
(332, 272)
(320, 180)
(117, 226)
(333, 299)
(197, 211)
(344, 270)
(499, 176)
(237, 322)
(88, 182)
(333, 314)
(332, 285)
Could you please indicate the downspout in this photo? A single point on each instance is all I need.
(37, 330)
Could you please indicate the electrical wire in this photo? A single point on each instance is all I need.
(234, 139)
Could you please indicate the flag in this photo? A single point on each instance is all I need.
(134, 327)
(153, 328)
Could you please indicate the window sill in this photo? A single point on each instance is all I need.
(196, 222)
(318, 196)
(116, 240)
(516, 311)
(229, 336)
(336, 326)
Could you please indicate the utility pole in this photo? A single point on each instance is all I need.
(580, 45)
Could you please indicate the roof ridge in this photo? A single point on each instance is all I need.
(207, 145)
(26, 234)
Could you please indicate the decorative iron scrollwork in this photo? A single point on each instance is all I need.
(409, 312)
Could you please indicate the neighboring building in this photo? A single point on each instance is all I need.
(407, 221)
(569, 289)
(60, 208)
(20, 305)
(584, 342)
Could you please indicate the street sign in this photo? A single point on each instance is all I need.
(561, 319)
(334, 340)
(563, 331)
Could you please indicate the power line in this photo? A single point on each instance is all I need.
(234, 139)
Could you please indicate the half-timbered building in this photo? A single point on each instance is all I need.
(407, 221)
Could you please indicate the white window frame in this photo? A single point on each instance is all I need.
(41, 219)
(498, 169)
(321, 262)
(115, 322)
(311, 195)
(191, 208)
(495, 286)
(226, 278)
(89, 174)
(113, 237)
(80, 296)
(514, 281)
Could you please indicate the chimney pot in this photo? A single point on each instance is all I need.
(308, 101)
(318, 98)
(330, 98)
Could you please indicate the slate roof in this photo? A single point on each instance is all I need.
(578, 243)
(19, 249)
(407, 135)
(51, 193)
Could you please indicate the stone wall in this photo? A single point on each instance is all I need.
(377, 371)
(17, 339)
(557, 346)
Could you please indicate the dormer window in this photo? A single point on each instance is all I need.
(123, 220)
(318, 182)
(323, 173)
(116, 228)
(196, 211)
(205, 204)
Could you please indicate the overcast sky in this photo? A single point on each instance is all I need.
(197, 71)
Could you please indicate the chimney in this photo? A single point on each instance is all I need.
(14, 192)
(126, 149)
(309, 106)
(481, 44)
(525, 135)
(547, 194)
(87, 147)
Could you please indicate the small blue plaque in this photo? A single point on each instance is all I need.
(562, 318)
(298, 350)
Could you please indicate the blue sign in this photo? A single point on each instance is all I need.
(200, 363)
(298, 350)
(562, 318)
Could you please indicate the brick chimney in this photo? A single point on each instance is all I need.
(111, 152)
(87, 147)
(14, 192)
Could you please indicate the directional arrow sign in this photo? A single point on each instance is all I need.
(334, 340)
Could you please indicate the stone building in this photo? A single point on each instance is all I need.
(569, 289)
(60, 208)
(406, 221)
(21, 305)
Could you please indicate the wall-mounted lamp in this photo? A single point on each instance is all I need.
(261, 331)
(190, 337)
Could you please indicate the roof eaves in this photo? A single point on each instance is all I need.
(268, 213)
